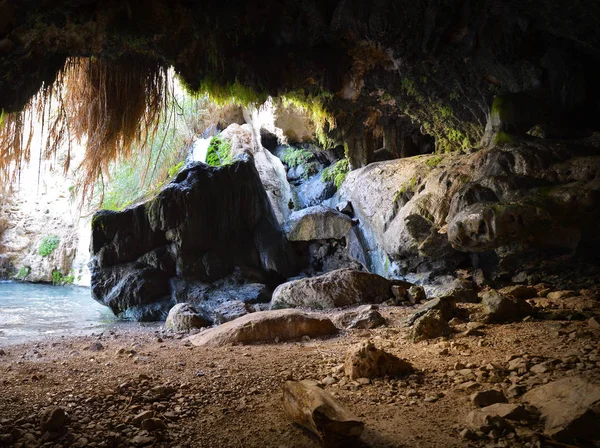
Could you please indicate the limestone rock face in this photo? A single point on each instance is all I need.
(509, 206)
(184, 317)
(266, 326)
(317, 223)
(367, 361)
(570, 408)
(340, 288)
(247, 139)
(200, 227)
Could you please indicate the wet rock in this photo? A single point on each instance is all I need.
(231, 310)
(570, 408)
(317, 223)
(137, 253)
(498, 308)
(344, 287)
(185, 317)
(364, 318)
(318, 411)
(53, 419)
(266, 326)
(488, 397)
(429, 326)
(367, 361)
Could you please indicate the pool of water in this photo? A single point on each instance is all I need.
(33, 311)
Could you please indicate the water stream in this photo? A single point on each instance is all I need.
(34, 311)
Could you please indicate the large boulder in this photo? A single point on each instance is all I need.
(570, 408)
(184, 317)
(198, 229)
(429, 326)
(317, 223)
(266, 326)
(498, 308)
(344, 287)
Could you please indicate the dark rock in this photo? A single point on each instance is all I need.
(153, 424)
(445, 306)
(53, 419)
(185, 317)
(339, 288)
(268, 140)
(498, 308)
(231, 310)
(488, 397)
(314, 191)
(346, 208)
(136, 252)
(416, 294)
(367, 361)
(430, 325)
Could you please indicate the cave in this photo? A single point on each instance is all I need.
(299, 223)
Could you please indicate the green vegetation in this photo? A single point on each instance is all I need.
(314, 105)
(150, 167)
(294, 157)
(409, 186)
(434, 161)
(23, 272)
(219, 152)
(336, 173)
(502, 138)
(48, 245)
(58, 279)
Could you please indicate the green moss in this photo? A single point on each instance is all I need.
(434, 161)
(502, 138)
(409, 186)
(219, 152)
(313, 103)
(175, 169)
(48, 245)
(336, 173)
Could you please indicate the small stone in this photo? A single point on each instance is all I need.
(328, 381)
(367, 361)
(488, 397)
(139, 418)
(53, 419)
(515, 390)
(95, 347)
(557, 295)
(363, 381)
(594, 323)
(2, 352)
(154, 424)
(431, 325)
(467, 434)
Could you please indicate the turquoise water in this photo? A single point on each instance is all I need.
(33, 311)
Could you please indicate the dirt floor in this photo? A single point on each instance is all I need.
(231, 397)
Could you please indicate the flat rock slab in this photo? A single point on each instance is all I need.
(570, 408)
(266, 326)
(344, 287)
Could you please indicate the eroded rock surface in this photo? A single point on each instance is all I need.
(336, 289)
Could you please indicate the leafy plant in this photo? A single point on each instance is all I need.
(219, 152)
(58, 279)
(294, 157)
(336, 173)
(23, 272)
(48, 245)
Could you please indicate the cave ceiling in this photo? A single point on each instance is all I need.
(434, 64)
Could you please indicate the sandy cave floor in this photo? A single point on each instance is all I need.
(231, 396)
